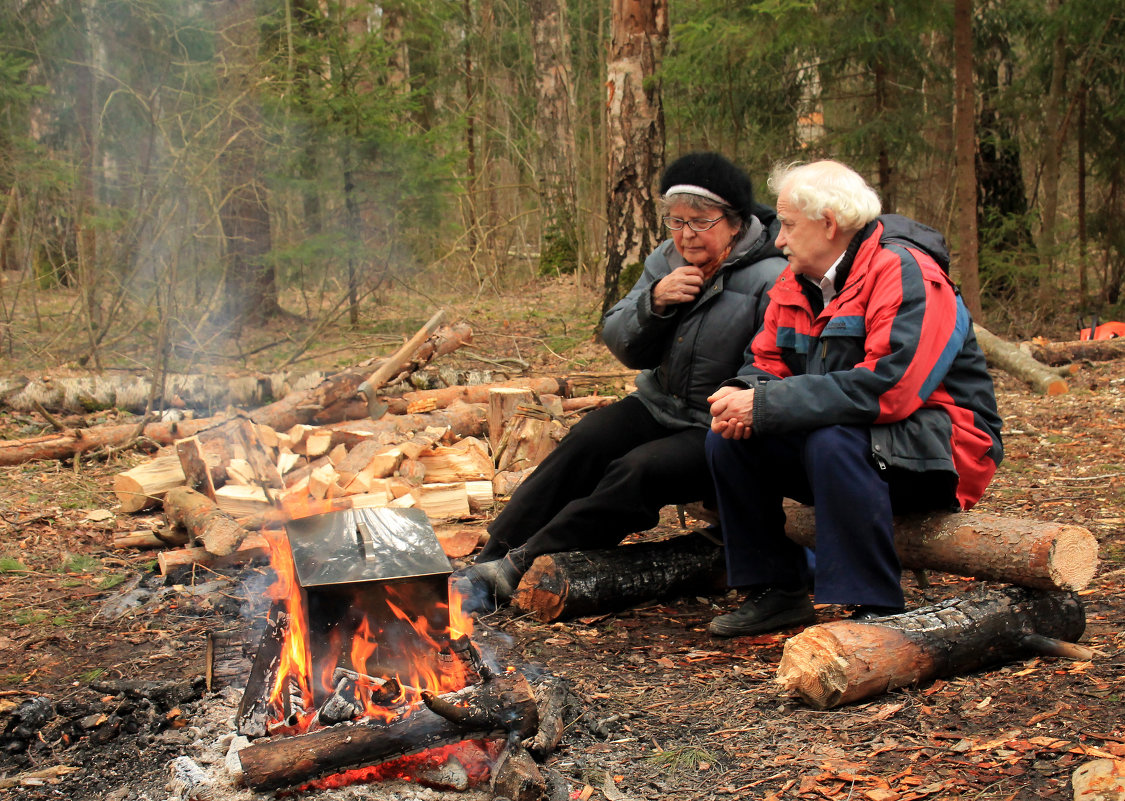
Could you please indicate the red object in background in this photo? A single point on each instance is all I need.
(1108, 330)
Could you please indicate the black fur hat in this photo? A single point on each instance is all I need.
(717, 177)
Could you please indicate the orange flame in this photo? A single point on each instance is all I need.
(460, 623)
(431, 664)
(294, 666)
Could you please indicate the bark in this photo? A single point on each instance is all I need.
(566, 585)
(143, 538)
(1031, 553)
(965, 146)
(250, 286)
(85, 393)
(1097, 350)
(499, 708)
(843, 661)
(555, 118)
(203, 520)
(517, 777)
(634, 135)
(1015, 362)
(65, 444)
(553, 699)
(193, 463)
(252, 548)
(255, 711)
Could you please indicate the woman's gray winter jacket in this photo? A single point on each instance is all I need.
(688, 351)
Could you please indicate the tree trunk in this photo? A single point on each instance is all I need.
(555, 120)
(965, 144)
(250, 289)
(844, 661)
(1052, 135)
(635, 136)
(567, 585)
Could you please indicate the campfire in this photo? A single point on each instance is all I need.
(367, 668)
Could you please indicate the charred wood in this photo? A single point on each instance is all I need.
(499, 708)
(843, 661)
(566, 585)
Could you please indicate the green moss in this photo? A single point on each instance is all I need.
(559, 255)
(630, 274)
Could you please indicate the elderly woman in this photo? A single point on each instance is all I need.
(686, 325)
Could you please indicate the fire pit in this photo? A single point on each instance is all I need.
(363, 660)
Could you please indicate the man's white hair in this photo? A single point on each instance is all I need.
(827, 185)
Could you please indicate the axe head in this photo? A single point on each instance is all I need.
(375, 408)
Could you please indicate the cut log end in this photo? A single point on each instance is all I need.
(543, 589)
(832, 664)
(1074, 558)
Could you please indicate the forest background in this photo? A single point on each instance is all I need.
(175, 174)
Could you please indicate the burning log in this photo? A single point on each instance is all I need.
(843, 661)
(203, 520)
(498, 708)
(255, 709)
(1031, 553)
(566, 585)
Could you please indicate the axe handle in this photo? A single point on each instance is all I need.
(393, 363)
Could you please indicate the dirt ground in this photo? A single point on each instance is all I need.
(662, 710)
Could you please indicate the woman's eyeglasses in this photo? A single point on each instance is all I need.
(699, 226)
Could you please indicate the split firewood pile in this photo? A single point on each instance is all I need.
(449, 452)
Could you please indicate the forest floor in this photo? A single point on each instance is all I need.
(668, 711)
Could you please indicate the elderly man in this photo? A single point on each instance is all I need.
(864, 394)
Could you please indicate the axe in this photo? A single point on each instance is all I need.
(391, 366)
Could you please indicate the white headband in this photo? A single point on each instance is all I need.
(692, 189)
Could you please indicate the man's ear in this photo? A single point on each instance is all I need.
(831, 227)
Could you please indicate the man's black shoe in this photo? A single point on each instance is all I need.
(765, 609)
(868, 612)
